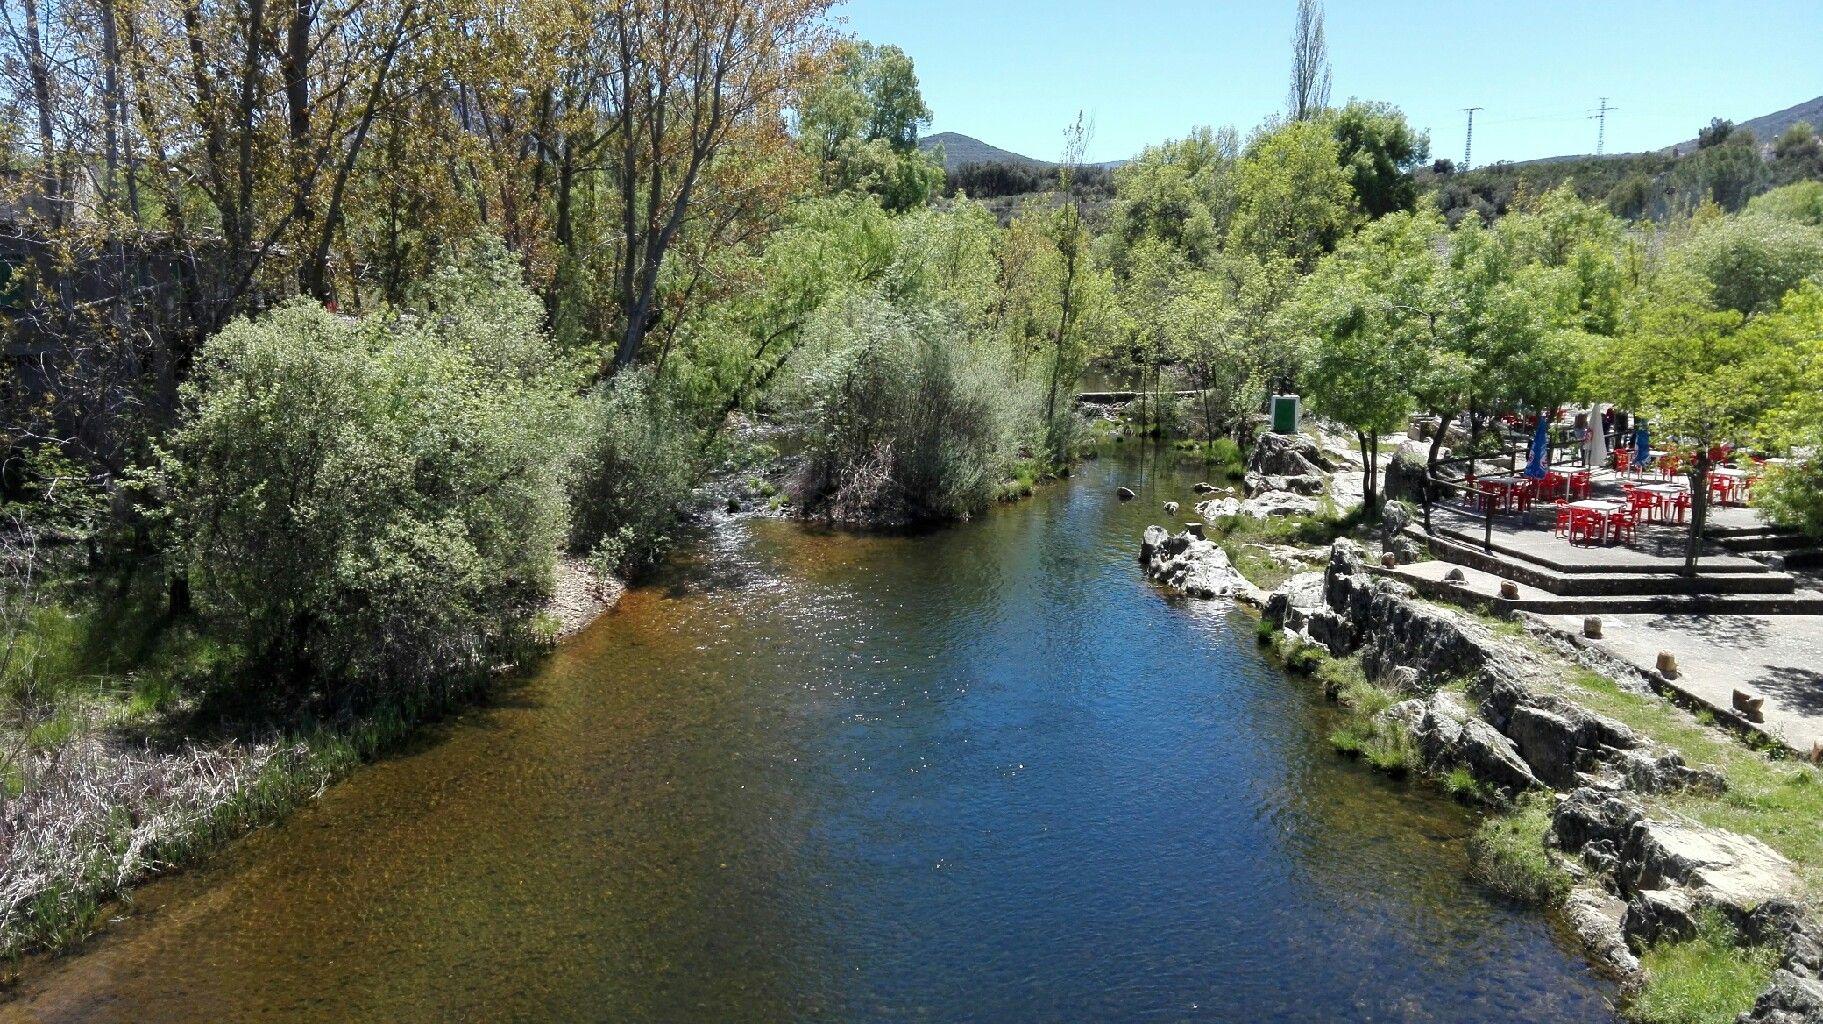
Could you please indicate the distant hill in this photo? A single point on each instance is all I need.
(1770, 126)
(960, 149)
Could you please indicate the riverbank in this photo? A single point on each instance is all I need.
(119, 794)
(1686, 856)
(1688, 862)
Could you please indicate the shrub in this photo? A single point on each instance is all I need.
(1711, 979)
(636, 465)
(1508, 854)
(377, 499)
(1792, 496)
(910, 416)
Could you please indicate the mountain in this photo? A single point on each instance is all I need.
(961, 149)
(1769, 127)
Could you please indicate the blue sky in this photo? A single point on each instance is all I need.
(1014, 73)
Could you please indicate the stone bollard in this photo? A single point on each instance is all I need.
(1816, 753)
(1509, 590)
(1591, 627)
(1752, 706)
(1667, 664)
(1456, 577)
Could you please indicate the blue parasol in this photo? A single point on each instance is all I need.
(1642, 445)
(1541, 444)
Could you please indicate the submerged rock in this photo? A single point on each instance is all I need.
(1125, 493)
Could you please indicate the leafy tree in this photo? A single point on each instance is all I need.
(1718, 131)
(1694, 373)
(1292, 198)
(1726, 173)
(1378, 151)
(1180, 192)
(861, 125)
(1751, 262)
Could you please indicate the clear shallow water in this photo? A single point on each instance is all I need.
(984, 774)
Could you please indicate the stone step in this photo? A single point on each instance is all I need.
(1481, 590)
(1611, 584)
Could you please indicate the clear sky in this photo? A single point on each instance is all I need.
(1013, 73)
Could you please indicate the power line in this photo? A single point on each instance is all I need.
(1468, 143)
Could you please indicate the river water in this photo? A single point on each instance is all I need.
(984, 774)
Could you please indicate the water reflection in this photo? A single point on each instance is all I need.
(983, 774)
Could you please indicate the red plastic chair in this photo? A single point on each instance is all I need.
(1586, 524)
(1624, 523)
(1563, 518)
(1680, 505)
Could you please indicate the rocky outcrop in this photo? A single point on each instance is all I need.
(1289, 455)
(1595, 915)
(1217, 508)
(1308, 484)
(1448, 736)
(1189, 564)
(1404, 478)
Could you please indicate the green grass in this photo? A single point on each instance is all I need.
(1776, 799)
(1261, 569)
(1710, 979)
(1507, 853)
(1026, 473)
(1461, 783)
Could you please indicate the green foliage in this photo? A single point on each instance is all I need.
(861, 123)
(1710, 979)
(1378, 150)
(1180, 193)
(1749, 263)
(1293, 200)
(636, 465)
(1508, 854)
(376, 500)
(1801, 202)
(909, 416)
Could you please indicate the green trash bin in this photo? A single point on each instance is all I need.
(1286, 412)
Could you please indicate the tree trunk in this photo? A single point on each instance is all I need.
(1699, 509)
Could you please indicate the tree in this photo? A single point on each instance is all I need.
(1309, 93)
(1180, 192)
(1718, 131)
(1378, 151)
(1801, 202)
(1292, 198)
(861, 125)
(1693, 371)
(1750, 263)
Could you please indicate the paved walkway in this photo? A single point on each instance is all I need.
(1779, 657)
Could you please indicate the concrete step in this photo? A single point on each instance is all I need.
(1501, 565)
(1481, 591)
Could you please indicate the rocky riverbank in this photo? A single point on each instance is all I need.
(1477, 702)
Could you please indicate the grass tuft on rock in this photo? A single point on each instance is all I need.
(1507, 854)
(1710, 979)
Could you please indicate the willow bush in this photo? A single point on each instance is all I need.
(910, 415)
(376, 500)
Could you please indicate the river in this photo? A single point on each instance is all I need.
(982, 774)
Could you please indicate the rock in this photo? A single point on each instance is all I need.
(1291, 604)
(1190, 565)
(1217, 508)
(1195, 528)
(1308, 484)
(1735, 872)
(1125, 493)
(1406, 550)
(1151, 541)
(1288, 455)
(1171, 508)
(1550, 744)
(1790, 999)
(1204, 488)
(734, 504)
(1654, 914)
(1278, 503)
(1492, 758)
(1595, 823)
(1595, 915)
(1456, 576)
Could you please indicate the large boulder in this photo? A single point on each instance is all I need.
(1790, 999)
(1278, 503)
(1404, 476)
(1448, 735)
(1595, 915)
(1732, 871)
(1288, 455)
(1189, 564)
(1217, 508)
(1291, 605)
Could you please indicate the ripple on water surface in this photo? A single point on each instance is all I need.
(980, 774)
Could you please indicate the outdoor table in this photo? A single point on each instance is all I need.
(1602, 508)
(1666, 495)
(1508, 486)
(1734, 480)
